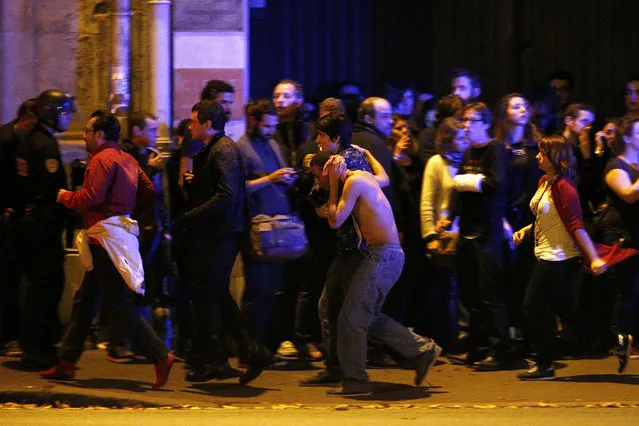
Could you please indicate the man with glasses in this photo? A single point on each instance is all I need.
(113, 185)
(479, 199)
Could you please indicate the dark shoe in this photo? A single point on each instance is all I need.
(323, 378)
(162, 370)
(538, 373)
(63, 370)
(424, 363)
(353, 388)
(256, 364)
(13, 350)
(622, 351)
(220, 371)
(119, 355)
(491, 363)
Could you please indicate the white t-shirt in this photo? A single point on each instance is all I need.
(552, 240)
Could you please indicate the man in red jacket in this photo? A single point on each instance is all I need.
(112, 183)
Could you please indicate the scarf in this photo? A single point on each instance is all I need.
(454, 158)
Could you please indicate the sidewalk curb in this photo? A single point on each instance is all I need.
(66, 400)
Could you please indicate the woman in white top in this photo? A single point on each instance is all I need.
(559, 241)
(450, 143)
(439, 173)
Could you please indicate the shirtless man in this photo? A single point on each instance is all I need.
(361, 315)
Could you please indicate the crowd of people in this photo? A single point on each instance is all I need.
(432, 226)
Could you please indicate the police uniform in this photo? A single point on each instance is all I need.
(40, 175)
(10, 273)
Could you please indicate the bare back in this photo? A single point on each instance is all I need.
(371, 209)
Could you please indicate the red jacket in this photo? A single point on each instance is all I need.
(566, 199)
(113, 184)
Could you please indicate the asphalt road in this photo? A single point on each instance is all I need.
(322, 416)
(579, 383)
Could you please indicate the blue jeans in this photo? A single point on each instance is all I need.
(339, 275)
(361, 315)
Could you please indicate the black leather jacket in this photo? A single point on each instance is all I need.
(216, 197)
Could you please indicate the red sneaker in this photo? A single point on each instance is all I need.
(162, 370)
(63, 370)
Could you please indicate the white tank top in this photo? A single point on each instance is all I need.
(552, 241)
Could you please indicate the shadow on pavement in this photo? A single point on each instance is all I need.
(624, 379)
(227, 390)
(18, 365)
(295, 365)
(118, 384)
(385, 391)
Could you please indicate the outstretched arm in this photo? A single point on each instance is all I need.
(378, 170)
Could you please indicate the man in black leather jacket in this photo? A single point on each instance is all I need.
(211, 228)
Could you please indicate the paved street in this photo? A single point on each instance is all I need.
(327, 417)
(579, 383)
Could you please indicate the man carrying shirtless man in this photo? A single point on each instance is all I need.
(361, 315)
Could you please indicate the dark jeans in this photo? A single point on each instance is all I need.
(620, 296)
(179, 290)
(215, 313)
(152, 252)
(361, 313)
(518, 267)
(106, 279)
(434, 305)
(263, 282)
(312, 278)
(340, 274)
(479, 271)
(551, 290)
(11, 273)
(398, 300)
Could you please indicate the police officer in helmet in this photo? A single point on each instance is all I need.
(41, 222)
(11, 135)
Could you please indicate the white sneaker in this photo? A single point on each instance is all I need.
(288, 350)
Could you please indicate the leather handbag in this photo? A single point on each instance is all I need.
(277, 238)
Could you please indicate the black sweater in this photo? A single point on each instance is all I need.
(480, 213)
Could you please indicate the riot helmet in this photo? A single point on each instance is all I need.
(54, 108)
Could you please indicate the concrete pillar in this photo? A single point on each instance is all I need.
(18, 54)
(161, 105)
(121, 66)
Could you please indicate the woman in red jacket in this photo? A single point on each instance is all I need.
(559, 240)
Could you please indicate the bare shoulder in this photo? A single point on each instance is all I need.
(360, 176)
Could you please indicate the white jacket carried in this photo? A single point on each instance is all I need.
(118, 235)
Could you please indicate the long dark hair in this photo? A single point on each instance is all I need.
(501, 127)
(446, 133)
(625, 128)
(560, 154)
